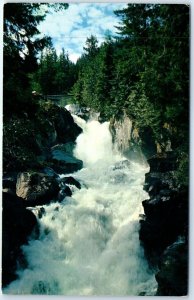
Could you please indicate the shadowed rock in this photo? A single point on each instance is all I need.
(173, 273)
(18, 224)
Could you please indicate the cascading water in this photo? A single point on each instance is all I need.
(89, 243)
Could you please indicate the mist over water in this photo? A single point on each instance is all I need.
(89, 243)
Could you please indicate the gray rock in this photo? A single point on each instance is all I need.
(34, 186)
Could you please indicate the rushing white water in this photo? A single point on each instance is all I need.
(89, 243)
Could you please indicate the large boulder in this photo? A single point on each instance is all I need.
(27, 142)
(166, 217)
(64, 162)
(36, 188)
(67, 130)
(72, 181)
(166, 212)
(172, 277)
(163, 164)
(67, 147)
(18, 224)
(64, 192)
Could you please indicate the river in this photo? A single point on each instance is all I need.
(89, 243)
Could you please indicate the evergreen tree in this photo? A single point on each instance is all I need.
(56, 74)
(91, 47)
(20, 53)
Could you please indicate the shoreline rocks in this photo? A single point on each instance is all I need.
(36, 188)
(172, 276)
(165, 216)
(165, 220)
(32, 158)
(18, 223)
(27, 142)
(62, 162)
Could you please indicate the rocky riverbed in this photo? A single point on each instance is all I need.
(40, 150)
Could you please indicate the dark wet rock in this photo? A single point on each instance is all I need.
(72, 181)
(56, 208)
(27, 142)
(67, 147)
(163, 164)
(156, 181)
(64, 192)
(36, 188)
(18, 224)
(154, 185)
(148, 143)
(172, 277)
(41, 212)
(50, 172)
(64, 162)
(166, 212)
(9, 183)
(67, 130)
(27, 146)
(166, 217)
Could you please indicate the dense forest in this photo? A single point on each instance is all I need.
(142, 72)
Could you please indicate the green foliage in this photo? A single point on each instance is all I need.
(182, 173)
(55, 74)
(21, 46)
(144, 72)
(144, 113)
(26, 140)
(91, 48)
(18, 134)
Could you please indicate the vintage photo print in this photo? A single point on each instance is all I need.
(95, 149)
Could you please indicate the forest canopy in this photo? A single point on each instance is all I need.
(144, 70)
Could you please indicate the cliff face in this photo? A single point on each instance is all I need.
(126, 138)
(122, 133)
(164, 225)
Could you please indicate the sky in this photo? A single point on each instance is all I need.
(70, 28)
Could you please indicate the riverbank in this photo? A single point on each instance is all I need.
(35, 150)
(165, 221)
(88, 244)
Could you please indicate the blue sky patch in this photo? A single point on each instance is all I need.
(70, 28)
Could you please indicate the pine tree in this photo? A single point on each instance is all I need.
(20, 53)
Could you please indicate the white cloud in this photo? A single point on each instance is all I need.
(70, 28)
(74, 57)
(95, 13)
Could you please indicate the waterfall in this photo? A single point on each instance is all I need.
(89, 243)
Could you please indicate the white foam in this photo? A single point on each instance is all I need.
(89, 244)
